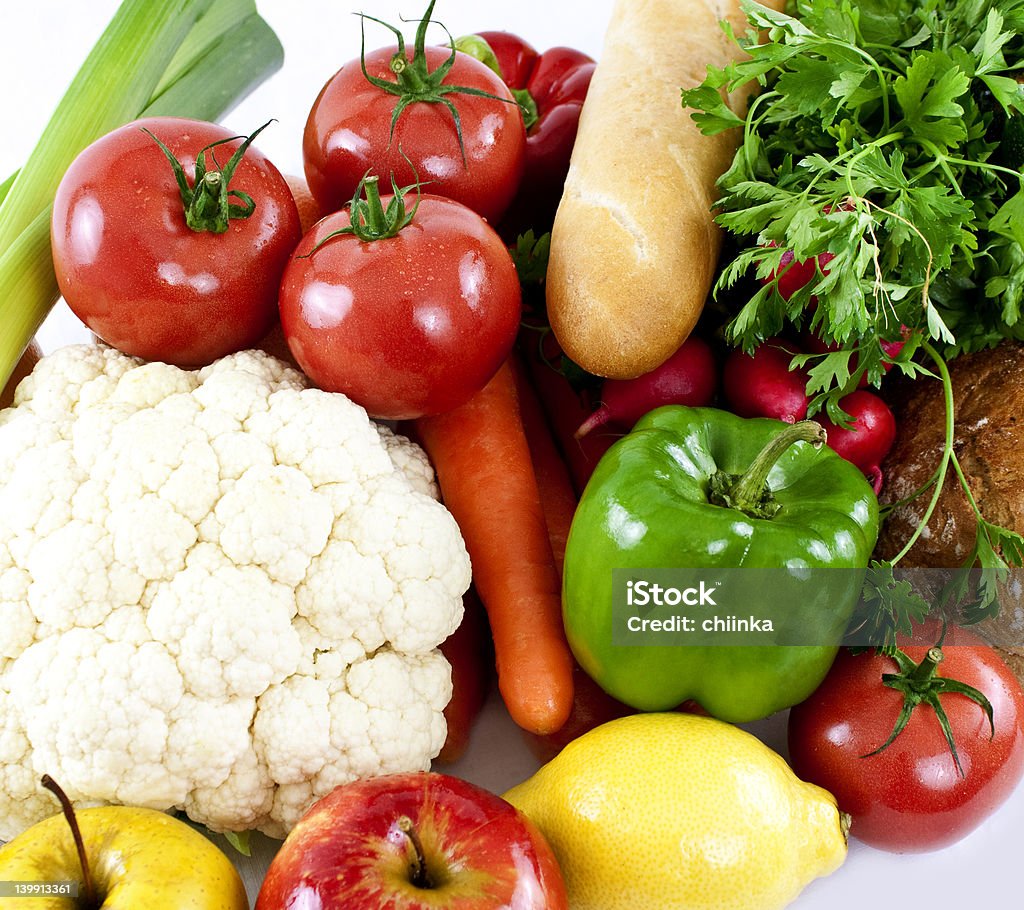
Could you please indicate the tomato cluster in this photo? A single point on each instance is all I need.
(407, 302)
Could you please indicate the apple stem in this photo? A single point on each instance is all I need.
(76, 833)
(418, 868)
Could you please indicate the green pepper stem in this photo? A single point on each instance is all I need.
(749, 489)
(479, 49)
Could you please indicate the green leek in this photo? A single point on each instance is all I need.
(5, 187)
(188, 58)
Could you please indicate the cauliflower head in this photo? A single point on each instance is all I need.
(220, 591)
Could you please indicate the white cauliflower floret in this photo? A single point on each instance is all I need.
(220, 591)
(382, 707)
(24, 801)
(412, 461)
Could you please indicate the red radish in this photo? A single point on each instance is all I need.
(869, 439)
(815, 345)
(892, 348)
(795, 275)
(763, 385)
(688, 377)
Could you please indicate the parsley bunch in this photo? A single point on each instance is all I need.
(890, 135)
(886, 134)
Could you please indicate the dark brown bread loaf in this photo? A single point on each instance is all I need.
(989, 442)
(988, 402)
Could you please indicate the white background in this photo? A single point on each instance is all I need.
(47, 40)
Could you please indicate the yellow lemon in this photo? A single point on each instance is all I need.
(680, 812)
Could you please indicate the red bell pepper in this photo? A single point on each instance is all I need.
(550, 88)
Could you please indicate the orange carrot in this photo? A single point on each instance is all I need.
(483, 467)
(557, 496)
(564, 411)
(592, 706)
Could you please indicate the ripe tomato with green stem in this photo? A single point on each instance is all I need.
(408, 311)
(920, 748)
(165, 253)
(433, 115)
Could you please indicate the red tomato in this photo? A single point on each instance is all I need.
(134, 272)
(911, 797)
(348, 134)
(408, 325)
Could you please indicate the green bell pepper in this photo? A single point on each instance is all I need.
(699, 488)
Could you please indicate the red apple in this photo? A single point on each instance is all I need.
(419, 841)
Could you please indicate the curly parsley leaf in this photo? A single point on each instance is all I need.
(876, 138)
(889, 135)
(530, 257)
(890, 607)
(975, 594)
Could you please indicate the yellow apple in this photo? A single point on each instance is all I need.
(138, 858)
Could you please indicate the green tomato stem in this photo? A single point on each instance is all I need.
(918, 684)
(206, 203)
(373, 210)
(409, 77)
(924, 672)
(414, 81)
(368, 219)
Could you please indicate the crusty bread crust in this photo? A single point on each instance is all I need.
(989, 443)
(634, 246)
(988, 388)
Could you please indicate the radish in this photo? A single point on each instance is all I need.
(870, 437)
(892, 348)
(795, 275)
(763, 385)
(815, 345)
(688, 377)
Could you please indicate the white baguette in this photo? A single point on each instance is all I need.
(634, 245)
